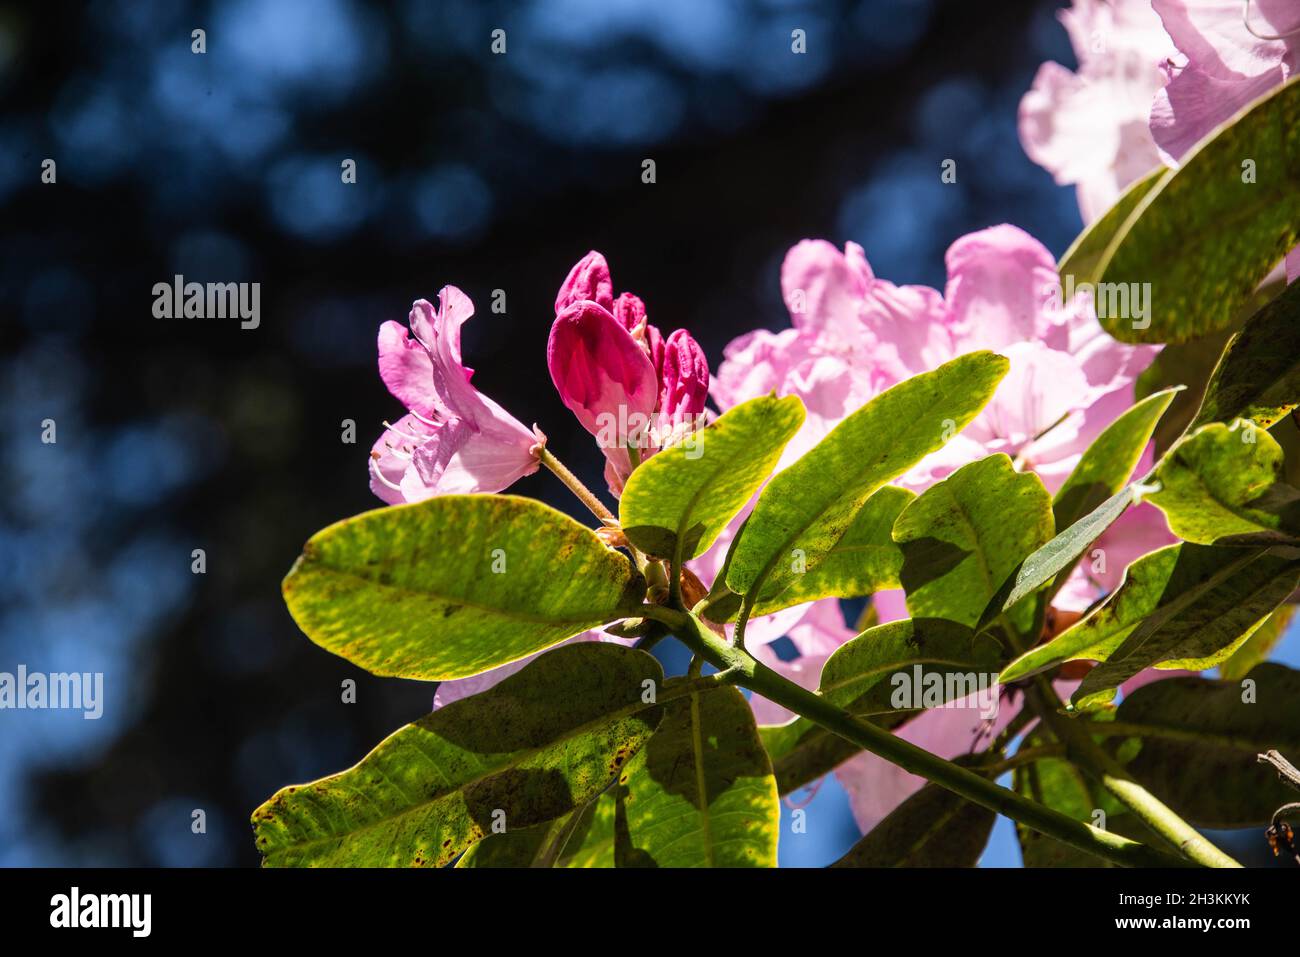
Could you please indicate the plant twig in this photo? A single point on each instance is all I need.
(584, 494)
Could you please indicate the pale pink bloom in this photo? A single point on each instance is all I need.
(854, 335)
(626, 383)
(1090, 128)
(454, 439)
(1222, 65)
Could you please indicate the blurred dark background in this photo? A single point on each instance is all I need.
(486, 171)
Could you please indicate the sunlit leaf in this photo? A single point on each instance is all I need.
(533, 748)
(1207, 236)
(806, 509)
(1220, 485)
(686, 494)
(455, 585)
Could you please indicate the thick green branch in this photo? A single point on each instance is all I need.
(739, 668)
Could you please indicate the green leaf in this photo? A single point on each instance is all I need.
(1174, 238)
(1258, 376)
(456, 585)
(1110, 460)
(1259, 645)
(865, 559)
(805, 509)
(1162, 613)
(888, 667)
(701, 793)
(930, 659)
(582, 838)
(536, 746)
(1206, 769)
(1202, 605)
(932, 828)
(1188, 364)
(1086, 253)
(686, 494)
(966, 535)
(1061, 552)
(1220, 485)
(1092, 498)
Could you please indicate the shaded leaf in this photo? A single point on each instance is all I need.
(966, 535)
(932, 828)
(1163, 612)
(536, 746)
(1220, 485)
(805, 509)
(687, 493)
(864, 560)
(1208, 772)
(456, 585)
(701, 793)
(891, 666)
(1258, 377)
(1174, 239)
(568, 841)
(1207, 603)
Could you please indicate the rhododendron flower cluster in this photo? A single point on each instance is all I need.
(977, 464)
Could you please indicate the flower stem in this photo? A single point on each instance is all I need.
(584, 494)
(1114, 777)
(739, 668)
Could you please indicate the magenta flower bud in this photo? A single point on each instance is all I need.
(588, 279)
(685, 379)
(602, 374)
(630, 311)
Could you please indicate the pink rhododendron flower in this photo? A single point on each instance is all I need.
(454, 438)
(1228, 57)
(628, 385)
(853, 335)
(1090, 128)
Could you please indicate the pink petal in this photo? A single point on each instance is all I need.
(823, 287)
(995, 292)
(589, 280)
(1194, 102)
(1214, 38)
(407, 369)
